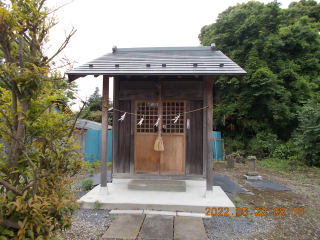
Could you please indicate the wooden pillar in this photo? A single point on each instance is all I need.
(104, 132)
(115, 127)
(209, 124)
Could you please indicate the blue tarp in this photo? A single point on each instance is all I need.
(217, 145)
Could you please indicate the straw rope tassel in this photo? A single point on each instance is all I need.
(158, 145)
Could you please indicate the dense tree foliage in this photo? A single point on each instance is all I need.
(35, 187)
(280, 50)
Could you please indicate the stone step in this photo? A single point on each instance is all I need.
(158, 185)
(157, 227)
(124, 227)
(147, 227)
(189, 228)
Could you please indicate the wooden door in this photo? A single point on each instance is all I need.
(146, 160)
(172, 159)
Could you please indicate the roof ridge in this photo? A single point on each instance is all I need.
(152, 49)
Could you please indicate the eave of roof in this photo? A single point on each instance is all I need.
(159, 61)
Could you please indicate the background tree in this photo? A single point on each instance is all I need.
(35, 192)
(93, 109)
(280, 50)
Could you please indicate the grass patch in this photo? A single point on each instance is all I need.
(283, 166)
(87, 184)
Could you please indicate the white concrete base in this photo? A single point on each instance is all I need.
(253, 177)
(193, 200)
(103, 191)
(116, 212)
(209, 194)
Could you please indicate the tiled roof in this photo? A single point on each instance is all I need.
(159, 61)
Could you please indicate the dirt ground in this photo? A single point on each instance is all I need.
(290, 215)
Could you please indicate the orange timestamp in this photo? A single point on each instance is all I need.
(258, 212)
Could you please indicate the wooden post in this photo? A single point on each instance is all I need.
(209, 153)
(104, 132)
(204, 126)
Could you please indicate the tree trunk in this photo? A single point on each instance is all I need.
(19, 137)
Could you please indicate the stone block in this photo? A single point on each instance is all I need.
(230, 161)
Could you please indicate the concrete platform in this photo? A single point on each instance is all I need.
(193, 200)
(158, 185)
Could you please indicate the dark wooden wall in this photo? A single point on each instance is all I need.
(194, 157)
(126, 90)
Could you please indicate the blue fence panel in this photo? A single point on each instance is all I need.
(217, 145)
(93, 145)
(109, 145)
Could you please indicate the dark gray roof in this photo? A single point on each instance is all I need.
(86, 124)
(150, 61)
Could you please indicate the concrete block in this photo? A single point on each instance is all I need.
(157, 185)
(252, 174)
(157, 227)
(189, 214)
(166, 213)
(253, 177)
(126, 212)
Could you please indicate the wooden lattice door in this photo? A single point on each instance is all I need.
(172, 159)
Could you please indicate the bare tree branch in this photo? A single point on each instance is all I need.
(7, 120)
(59, 7)
(6, 82)
(10, 187)
(41, 4)
(64, 44)
(10, 224)
(74, 123)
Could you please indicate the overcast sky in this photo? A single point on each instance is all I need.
(101, 24)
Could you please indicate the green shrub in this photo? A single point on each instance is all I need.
(87, 184)
(96, 205)
(309, 132)
(264, 143)
(109, 164)
(96, 164)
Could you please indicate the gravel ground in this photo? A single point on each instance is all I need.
(89, 224)
(239, 227)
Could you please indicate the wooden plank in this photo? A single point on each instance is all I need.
(194, 130)
(146, 158)
(172, 159)
(104, 131)
(204, 129)
(209, 86)
(197, 145)
(187, 145)
(173, 94)
(127, 139)
(132, 132)
(115, 137)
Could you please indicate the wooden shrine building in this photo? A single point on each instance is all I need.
(174, 84)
